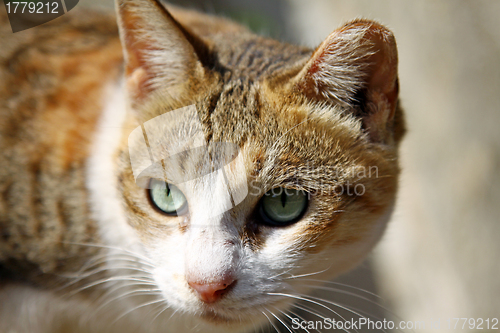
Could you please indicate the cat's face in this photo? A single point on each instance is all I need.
(258, 179)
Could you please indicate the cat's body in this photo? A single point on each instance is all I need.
(69, 200)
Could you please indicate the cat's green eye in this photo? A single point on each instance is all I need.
(283, 206)
(167, 198)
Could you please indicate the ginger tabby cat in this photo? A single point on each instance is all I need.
(90, 244)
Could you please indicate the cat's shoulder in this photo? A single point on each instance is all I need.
(53, 81)
(57, 67)
(79, 30)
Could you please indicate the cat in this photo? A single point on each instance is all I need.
(120, 144)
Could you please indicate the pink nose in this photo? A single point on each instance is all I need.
(211, 292)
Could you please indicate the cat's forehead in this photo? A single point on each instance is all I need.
(240, 113)
(251, 57)
(283, 143)
(233, 113)
(286, 145)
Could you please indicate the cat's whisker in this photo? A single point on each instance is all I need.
(83, 273)
(112, 290)
(81, 277)
(109, 247)
(87, 274)
(281, 321)
(119, 286)
(114, 256)
(308, 274)
(107, 258)
(340, 291)
(95, 261)
(291, 318)
(135, 308)
(126, 267)
(357, 311)
(304, 298)
(344, 285)
(357, 296)
(171, 316)
(351, 309)
(165, 308)
(133, 278)
(157, 309)
(130, 268)
(313, 312)
(308, 310)
(319, 299)
(270, 321)
(137, 255)
(280, 274)
(136, 292)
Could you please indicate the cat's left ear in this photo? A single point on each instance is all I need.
(356, 67)
(159, 52)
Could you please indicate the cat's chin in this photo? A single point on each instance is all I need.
(221, 322)
(218, 318)
(233, 319)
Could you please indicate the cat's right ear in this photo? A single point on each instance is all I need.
(158, 51)
(355, 67)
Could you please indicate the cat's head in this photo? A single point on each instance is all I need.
(254, 163)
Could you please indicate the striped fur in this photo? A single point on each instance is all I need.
(51, 93)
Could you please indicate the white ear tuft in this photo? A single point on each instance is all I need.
(337, 68)
(355, 67)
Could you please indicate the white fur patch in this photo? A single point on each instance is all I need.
(101, 174)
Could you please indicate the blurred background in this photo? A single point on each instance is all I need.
(440, 256)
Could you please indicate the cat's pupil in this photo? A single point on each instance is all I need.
(168, 198)
(283, 199)
(284, 208)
